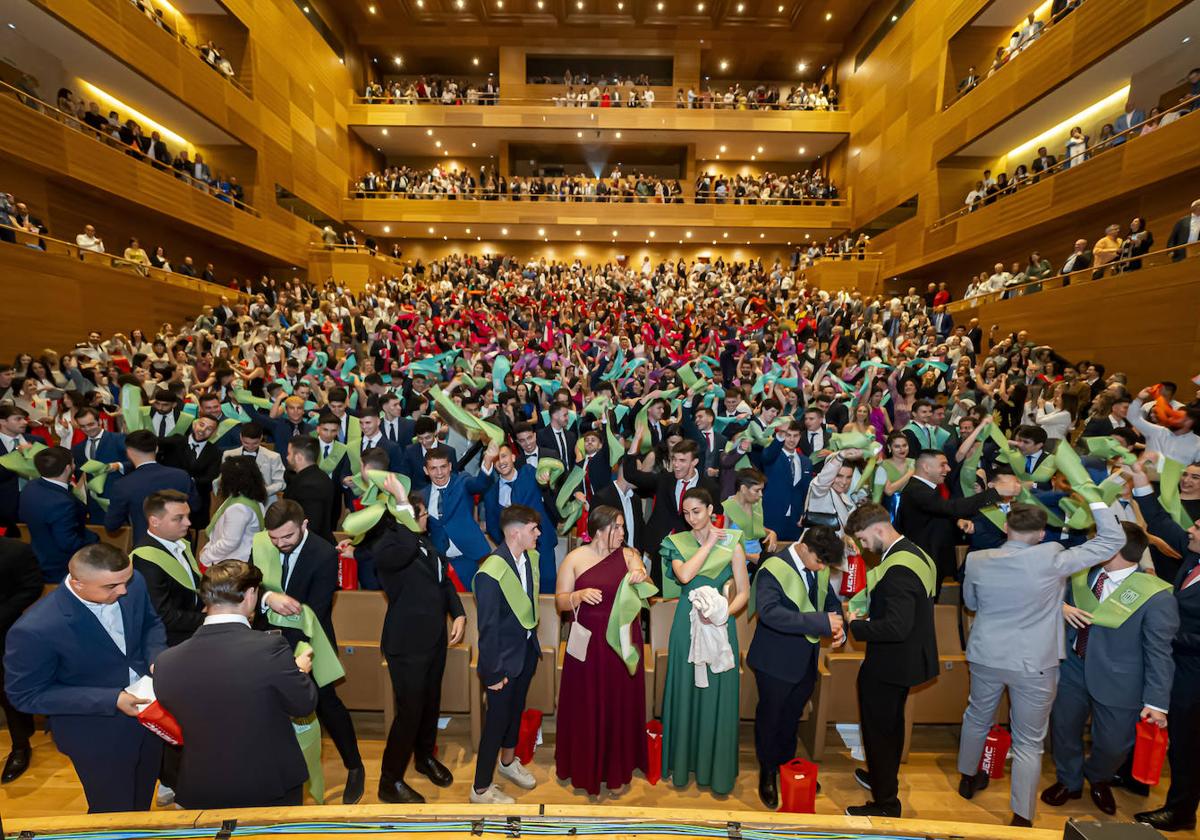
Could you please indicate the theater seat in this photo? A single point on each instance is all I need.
(358, 623)
(747, 687)
(122, 540)
(942, 699)
(662, 614)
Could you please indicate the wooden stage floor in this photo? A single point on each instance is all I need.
(928, 784)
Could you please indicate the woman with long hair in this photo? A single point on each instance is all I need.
(240, 514)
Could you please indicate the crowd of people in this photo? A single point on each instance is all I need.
(1080, 148)
(210, 53)
(433, 90)
(805, 187)
(692, 430)
(490, 185)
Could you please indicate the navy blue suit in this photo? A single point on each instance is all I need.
(780, 493)
(413, 464)
(525, 491)
(61, 662)
(57, 523)
(394, 452)
(10, 493)
(110, 450)
(280, 429)
(404, 431)
(456, 520)
(125, 502)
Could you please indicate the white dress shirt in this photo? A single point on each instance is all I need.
(626, 497)
(435, 510)
(111, 619)
(176, 550)
(523, 571)
(226, 618)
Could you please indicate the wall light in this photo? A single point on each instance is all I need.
(128, 112)
(1113, 100)
(387, 228)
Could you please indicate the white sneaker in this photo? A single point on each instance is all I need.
(517, 774)
(492, 796)
(165, 796)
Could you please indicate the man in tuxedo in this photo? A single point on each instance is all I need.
(13, 423)
(528, 451)
(56, 519)
(901, 651)
(147, 476)
(270, 464)
(250, 759)
(452, 525)
(786, 646)
(1015, 591)
(310, 578)
(667, 489)
(373, 437)
(789, 472)
(929, 517)
(397, 428)
(165, 561)
(508, 652)
(312, 489)
(103, 446)
(519, 487)
(425, 442)
(72, 655)
(164, 414)
(556, 440)
(197, 454)
(421, 596)
(814, 439)
(1185, 232)
(20, 586)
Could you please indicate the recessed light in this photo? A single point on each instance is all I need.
(504, 231)
(437, 143)
(306, 10)
(429, 132)
(579, 5)
(387, 228)
(753, 157)
(620, 6)
(446, 153)
(499, 4)
(741, 7)
(699, 7)
(661, 6)
(651, 234)
(541, 4)
(618, 135)
(762, 236)
(578, 133)
(1185, 40)
(829, 16)
(341, 61)
(688, 234)
(12, 26)
(760, 150)
(541, 231)
(801, 150)
(398, 61)
(781, 10)
(724, 65)
(374, 60)
(718, 157)
(578, 232)
(460, 3)
(472, 144)
(431, 230)
(468, 230)
(722, 148)
(725, 235)
(475, 61)
(895, 18)
(801, 67)
(371, 9)
(385, 134)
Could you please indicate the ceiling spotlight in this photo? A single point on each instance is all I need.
(504, 231)
(306, 10)
(725, 235)
(371, 9)
(541, 5)
(578, 232)
(760, 150)
(438, 143)
(895, 18)
(618, 135)
(724, 65)
(801, 67)
(374, 60)
(661, 6)
(499, 4)
(651, 234)
(614, 234)
(472, 144)
(578, 133)
(781, 10)
(762, 236)
(446, 153)
(579, 5)
(829, 16)
(718, 157)
(541, 231)
(398, 61)
(688, 234)
(468, 230)
(387, 228)
(1185, 40)
(801, 150)
(620, 6)
(699, 7)
(431, 230)
(460, 3)
(420, 4)
(722, 148)
(429, 132)
(741, 7)
(475, 61)
(753, 157)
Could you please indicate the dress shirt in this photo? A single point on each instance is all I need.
(226, 618)
(435, 510)
(10, 443)
(368, 443)
(391, 429)
(176, 550)
(111, 619)
(531, 458)
(926, 481)
(626, 497)
(1193, 228)
(91, 444)
(505, 496)
(561, 440)
(816, 439)
(522, 570)
(683, 486)
(162, 423)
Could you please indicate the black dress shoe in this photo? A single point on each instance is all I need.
(1102, 798)
(768, 788)
(17, 763)
(1020, 821)
(1057, 794)
(396, 792)
(1130, 784)
(355, 781)
(874, 809)
(1167, 819)
(863, 778)
(968, 786)
(434, 770)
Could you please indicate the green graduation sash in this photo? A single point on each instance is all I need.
(789, 581)
(474, 427)
(337, 450)
(997, 517)
(376, 502)
(1128, 598)
(182, 423)
(628, 603)
(236, 500)
(519, 602)
(893, 474)
(166, 561)
(750, 524)
(131, 407)
(934, 438)
(1168, 492)
(967, 475)
(308, 736)
(685, 545)
(919, 564)
(97, 473)
(326, 667)
(20, 461)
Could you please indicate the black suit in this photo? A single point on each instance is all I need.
(10, 495)
(1179, 238)
(548, 446)
(20, 586)
(665, 518)
(1100, 427)
(901, 653)
(313, 581)
(1081, 262)
(315, 492)
(178, 607)
(931, 521)
(420, 595)
(249, 757)
(609, 495)
(176, 451)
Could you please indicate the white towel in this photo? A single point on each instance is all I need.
(710, 641)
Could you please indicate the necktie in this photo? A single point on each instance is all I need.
(708, 437)
(1029, 464)
(812, 441)
(562, 446)
(389, 429)
(328, 446)
(1081, 638)
(683, 488)
(91, 448)
(792, 464)
(435, 502)
(197, 445)
(285, 561)
(162, 425)
(810, 577)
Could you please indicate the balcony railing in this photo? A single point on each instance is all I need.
(550, 198)
(559, 104)
(194, 50)
(76, 124)
(1108, 144)
(1115, 268)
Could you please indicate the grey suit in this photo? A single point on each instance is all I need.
(1126, 668)
(1017, 641)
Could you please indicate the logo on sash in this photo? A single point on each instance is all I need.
(1128, 597)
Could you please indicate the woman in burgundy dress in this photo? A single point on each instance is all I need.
(601, 732)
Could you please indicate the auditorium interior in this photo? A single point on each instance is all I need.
(843, 140)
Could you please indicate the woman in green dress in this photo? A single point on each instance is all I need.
(893, 473)
(700, 725)
(743, 513)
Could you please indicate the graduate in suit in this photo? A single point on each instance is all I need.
(1120, 625)
(796, 606)
(72, 655)
(815, 437)
(251, 758)
(557, 440)
(269, 463)
(789, 472)
(698, 426)
(901, 653)
(373, 437)
(308, 577)
(313, 490)
(197, 454)
(596, 463)
(13, 438)
(506, 601)
(20, 586)
(285, 421)
(622, 495)
(421, 597)
(166, 562)
(519, 487)
(102, 446)
(56, 519)
(397, 428)
(452, 525)
(147, 476)
(425, 441)
(164, 416)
